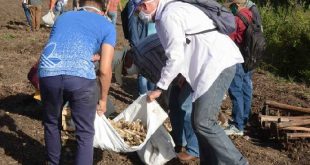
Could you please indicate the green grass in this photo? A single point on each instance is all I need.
(8, 36)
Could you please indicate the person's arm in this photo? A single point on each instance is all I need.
(52, 4)
(136, 27)
(105, 75)
(120, 6)
(108, 6)
(172, 37)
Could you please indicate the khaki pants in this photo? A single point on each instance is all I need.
(35, 12)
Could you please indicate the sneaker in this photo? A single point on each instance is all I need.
(233, 130)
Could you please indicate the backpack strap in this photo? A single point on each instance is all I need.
(201, 32)
(244, 19)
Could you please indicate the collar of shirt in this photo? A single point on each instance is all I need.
(160, 8)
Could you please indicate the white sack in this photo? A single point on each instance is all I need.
(151, 114)
(159, 149)
(49, 18)
(154, 149)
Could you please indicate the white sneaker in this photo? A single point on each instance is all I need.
(233, 130)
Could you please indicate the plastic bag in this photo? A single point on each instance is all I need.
(158, 144)
(49, 18)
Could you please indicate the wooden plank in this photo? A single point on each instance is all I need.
(293, 123)
(297, 129)
(287, 107)
(281, 118)
(297, 135)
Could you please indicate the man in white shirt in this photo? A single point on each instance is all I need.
(207, 63)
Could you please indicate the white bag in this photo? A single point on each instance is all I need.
(159, 149)
(49, 18)
(158, 144)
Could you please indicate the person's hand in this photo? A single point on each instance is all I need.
(96, 57)
(101, 107)
(151, 96)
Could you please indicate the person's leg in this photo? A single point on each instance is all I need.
(247, 96)
(236, 94)
(51, 89)
(75, 4)
(176, 117)
(185, 105)
(32, 13)
(27, 13)
(38, 17)
(142, 85)
(81, 94)
(214, 145)
(150, 86)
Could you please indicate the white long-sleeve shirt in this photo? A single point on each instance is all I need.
(204, 58)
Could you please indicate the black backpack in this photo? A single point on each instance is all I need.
(253, 45)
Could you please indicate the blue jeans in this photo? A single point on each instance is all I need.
(27, 13)
(214, 145)
(180, 105)
(113, 16)
(240, 92)
(81, 94)
(144, 85)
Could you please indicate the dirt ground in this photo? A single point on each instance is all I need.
(21, 131)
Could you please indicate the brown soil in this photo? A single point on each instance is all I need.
(21, 131)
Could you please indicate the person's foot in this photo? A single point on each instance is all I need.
(233, 130)
(184, 156)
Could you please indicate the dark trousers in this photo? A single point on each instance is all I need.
(214, 145)
(81, 94)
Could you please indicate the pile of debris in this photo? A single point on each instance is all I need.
(133, 133)
(285, 121)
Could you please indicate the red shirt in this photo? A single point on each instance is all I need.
(113, 5)
(237, 36)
